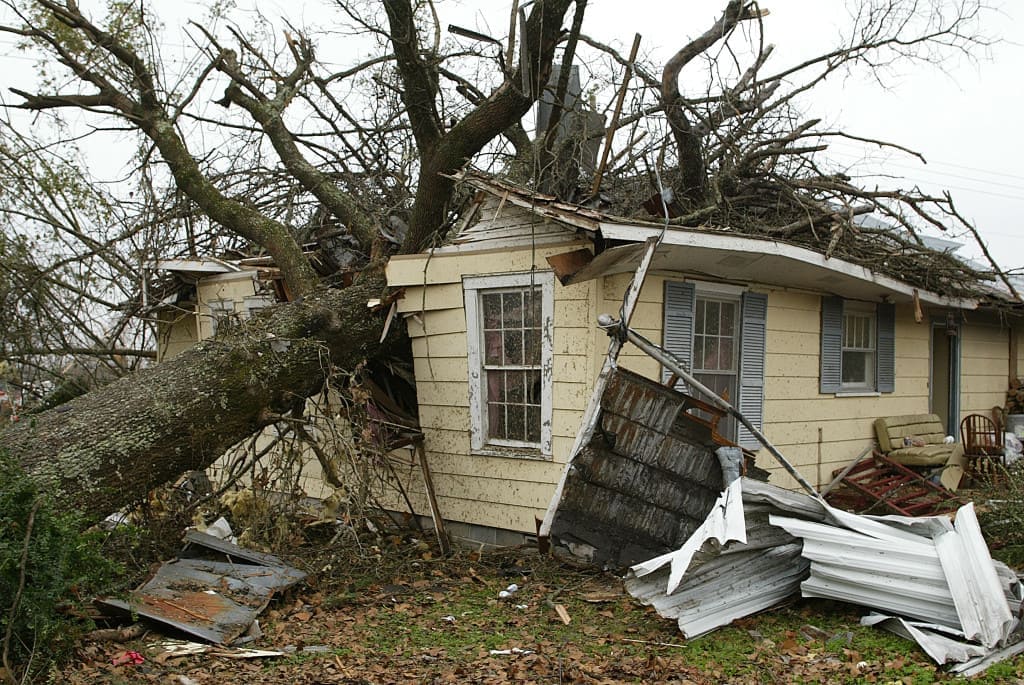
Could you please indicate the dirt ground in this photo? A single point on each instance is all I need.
(396, 613)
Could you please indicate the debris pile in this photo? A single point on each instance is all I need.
(931, 579)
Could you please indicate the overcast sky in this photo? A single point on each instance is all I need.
(963, 119)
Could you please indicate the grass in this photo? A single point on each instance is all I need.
(400, 617)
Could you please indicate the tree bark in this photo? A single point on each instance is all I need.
(109, 447)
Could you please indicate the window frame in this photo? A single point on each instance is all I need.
(830, 378)
(473, 289)
(221, 311)
(870, 383)
(679, 311)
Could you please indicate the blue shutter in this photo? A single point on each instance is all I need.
(752, 356)
(831, 344)
(677, 337)
(885, 359)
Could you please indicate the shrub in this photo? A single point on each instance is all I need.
(41, 582)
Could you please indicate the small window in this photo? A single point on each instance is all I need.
(858, 350)
(222, 315)
(254, 305)
(858, 346)
(509, 322)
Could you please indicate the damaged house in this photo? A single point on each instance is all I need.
(812, 349)
(532, 421)
(503, 319)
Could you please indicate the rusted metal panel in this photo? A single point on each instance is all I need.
(211, 599)
(642, 484)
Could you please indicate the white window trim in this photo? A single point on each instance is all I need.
(472, 286)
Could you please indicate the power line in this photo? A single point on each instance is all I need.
(861, 150)
(925, 170)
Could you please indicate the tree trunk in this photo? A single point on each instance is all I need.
(109, 447)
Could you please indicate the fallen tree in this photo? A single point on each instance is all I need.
(375, 172)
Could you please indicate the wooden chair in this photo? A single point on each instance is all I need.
(983, 448)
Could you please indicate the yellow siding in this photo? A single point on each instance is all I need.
(176, 331)
(417, 270)
(234, 289)
(984, 364)
(818, 433)
(821, 433)
(504, 492)
(1017, 353)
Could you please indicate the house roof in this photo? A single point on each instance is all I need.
(872, 265)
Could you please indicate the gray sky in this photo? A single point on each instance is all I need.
(962, 118)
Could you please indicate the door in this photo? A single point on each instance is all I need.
(944, 386)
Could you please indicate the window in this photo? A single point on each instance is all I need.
(222, 315)
(509, 329)
(857, 346)
(858, 350)
(714, 350)
(257, 303)
(719, 332)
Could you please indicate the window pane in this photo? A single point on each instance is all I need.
(712, 317)
(712, 353)
(698, 322)
(533, 424)
(532, 343)
(698, 352)
(516, 428)
(533, 386)
(533, 310)
(512, 310)
(495, 386)
(729, 319)
(492, 311)
(513, 347)
(854, 367)
(492, 347)
(496, 420)
(514, 386)
(725, 362)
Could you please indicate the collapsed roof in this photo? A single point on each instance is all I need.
(856, 256)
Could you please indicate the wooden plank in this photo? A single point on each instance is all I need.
(574, 313)
(444, 296)
(453, 369)
(447, 345)
(450, 267)
(442, 393)
(435, 510)
(437, 322)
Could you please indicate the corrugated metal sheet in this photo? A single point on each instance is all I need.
(929, 568)
(644, 482)
(736, 565)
